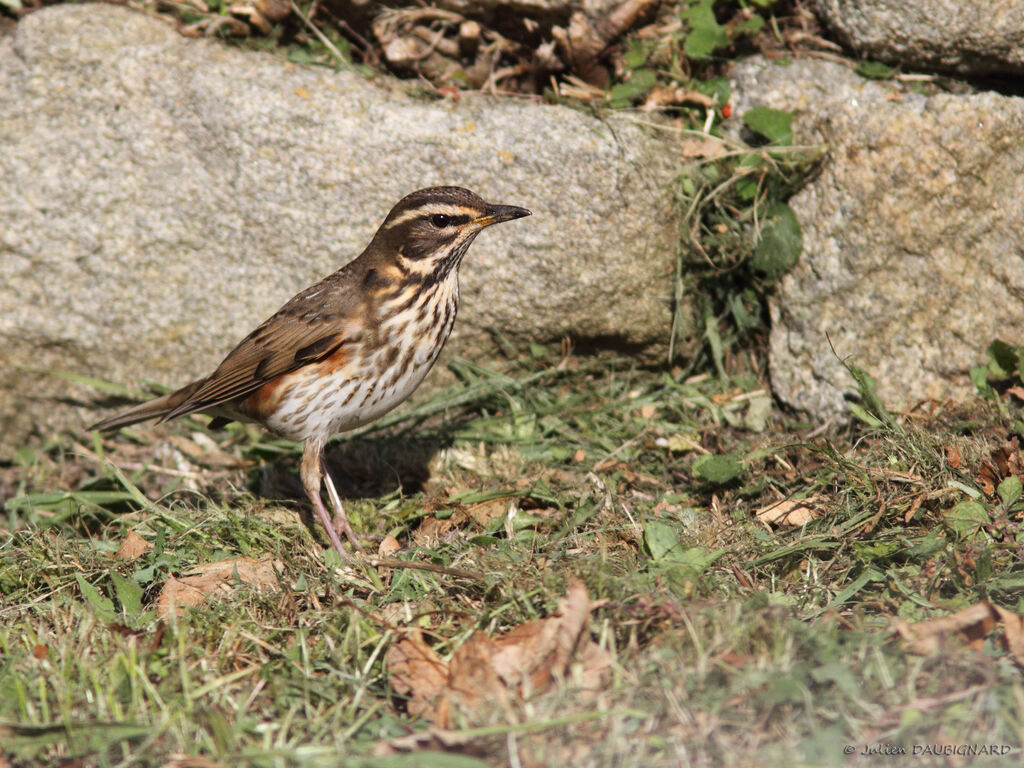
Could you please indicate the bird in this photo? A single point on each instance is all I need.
(348, 349)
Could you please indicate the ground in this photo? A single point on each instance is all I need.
(609, 585)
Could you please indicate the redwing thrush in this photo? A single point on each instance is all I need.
(347, 350)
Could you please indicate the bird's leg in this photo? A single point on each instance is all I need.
(312, 454)
(340, 518)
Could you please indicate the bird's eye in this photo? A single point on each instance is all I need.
(439, 220)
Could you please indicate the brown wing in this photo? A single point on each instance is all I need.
(310, 327)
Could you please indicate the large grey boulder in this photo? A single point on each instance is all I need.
(960, 36)
(161, 196)
(913, 255)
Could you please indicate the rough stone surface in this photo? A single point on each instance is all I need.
(970, 38)
(913, 256)
(161, 196)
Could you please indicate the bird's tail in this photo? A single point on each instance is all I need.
(150, 409)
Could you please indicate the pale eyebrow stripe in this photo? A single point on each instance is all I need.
(429, 209)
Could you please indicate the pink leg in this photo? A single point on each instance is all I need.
(312, 454)
(340, 518)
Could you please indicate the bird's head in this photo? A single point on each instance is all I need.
(429, 231)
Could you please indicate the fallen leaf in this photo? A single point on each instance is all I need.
(953, 456)
(404, 612)
(433, 740)
(971, 624)
(430, 530)
(1002, 463)
(487, 673)
(694, 147)
(191, 761)
(177, 594)
(451, 91)
(388, 546)
(483, 512)
(1013, 626)
(790, 512)
(667, 95)
(217, 579)
(415, 671)
(473, 685)
(929, 637)
(132, 547)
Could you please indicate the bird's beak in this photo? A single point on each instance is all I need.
(498, 213)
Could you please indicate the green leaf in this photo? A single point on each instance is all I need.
(838, 673)
(717, 470)
(980, 378)
(1010, 490)
(776, 125)
(705, 34)
(661, 538)
(966, 517)
(697, 559)
(424, 758)
(636, 54)
(717, 88)
(102, 605)
(639, 83)
(753, 24)
(864, 417)
(1003, 359)
(760, 408)
(875, 70)
(129, 595)
(714, 339)
(780, 244)
(866, 388)
(870, 574)
(538, 351)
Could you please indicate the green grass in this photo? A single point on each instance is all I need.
(732, 642)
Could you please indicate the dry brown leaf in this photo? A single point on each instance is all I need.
(177, 594)
(132, 547)
(436, 740)
(486, 673)
(972, 624)
(667, 95)
(473, 685)
(790, 512)
(953, 456)
(483, 512)
(694, 147)
(929, 637)
(1003, 462)
(388, 546)
(430, 530)
(415, 671)
(215, 579)
(404, 612)
(191, 761)
(1013, 626)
